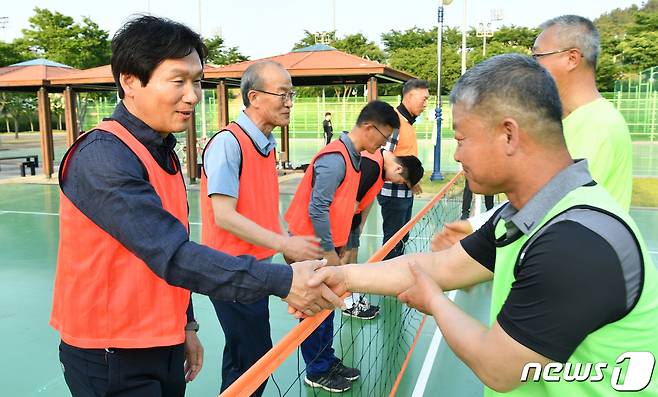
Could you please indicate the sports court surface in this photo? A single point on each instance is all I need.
(30, 367)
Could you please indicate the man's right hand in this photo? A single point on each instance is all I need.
(333, 277)
(451, 234)
(306, 299)
(301, 248)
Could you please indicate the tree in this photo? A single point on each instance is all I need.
(410, 38)
(515, 36)
(607, 71)
(219, 54)
(11, 53)
(57, 37)
(357, 44)
(309, 40)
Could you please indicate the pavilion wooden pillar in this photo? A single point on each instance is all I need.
(191, 149)
(46, 132)
(70, 116)
(372, 89)
(285, 144)
(222, 104)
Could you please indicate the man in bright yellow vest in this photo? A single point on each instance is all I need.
(575, 293)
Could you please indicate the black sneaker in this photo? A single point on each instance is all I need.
(363, 311)
(363, 301)
(345, 371)
(329, 381)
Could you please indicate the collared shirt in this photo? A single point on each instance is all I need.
(328, 173)
(109, 184)
(397, 190)
(526, 219)
(223, 158)
(580, 272)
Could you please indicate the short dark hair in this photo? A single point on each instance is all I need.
(414, 84)
(379, 112)
(412, 169)
(140, 45)
(328, 114)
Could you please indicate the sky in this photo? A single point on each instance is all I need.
(261, 28)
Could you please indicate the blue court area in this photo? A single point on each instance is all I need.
(30, 367)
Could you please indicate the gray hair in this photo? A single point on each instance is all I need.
(513, 85)
(252, 78)
(574, 31)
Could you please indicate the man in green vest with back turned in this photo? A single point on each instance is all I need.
(575, 294)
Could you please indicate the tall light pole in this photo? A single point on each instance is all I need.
(484, 32)
(333, 14)
(436, 174)
(204, 129)
(464, 33)
(3, 25)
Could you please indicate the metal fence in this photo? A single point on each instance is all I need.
(637, 100)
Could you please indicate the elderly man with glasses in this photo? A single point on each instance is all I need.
(569, 47)
(240, 207)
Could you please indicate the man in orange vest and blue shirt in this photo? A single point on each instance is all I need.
(324, 200)
(376, 169)
(240, 208)
(126, 265)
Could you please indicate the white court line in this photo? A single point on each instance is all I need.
(426, 370)
(29, 213)
(191, 223)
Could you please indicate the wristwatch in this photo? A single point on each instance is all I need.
(192, 326)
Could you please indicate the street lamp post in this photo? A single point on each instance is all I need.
(484, 32)
(436, 174)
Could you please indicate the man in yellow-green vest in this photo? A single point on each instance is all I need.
(575, 294)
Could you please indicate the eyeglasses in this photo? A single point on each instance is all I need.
(380, 132)
(285, 97)
(543, 54)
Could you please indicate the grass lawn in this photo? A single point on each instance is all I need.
(645, 189)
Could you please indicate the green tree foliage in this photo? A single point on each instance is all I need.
(11, 53)
(410, 38)
(629, 42)
(57, 37)
(357, 44)
(219, 54)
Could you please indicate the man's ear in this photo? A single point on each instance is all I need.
(129, 82)
(511, 133)
(575, 58)
(252, 95)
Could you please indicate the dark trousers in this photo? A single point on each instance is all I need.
(247, 334)
(151, 372)
(317, 349)
(396, 212)
(467, 199)
(327, 137)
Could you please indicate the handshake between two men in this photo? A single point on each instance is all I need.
(413, 278)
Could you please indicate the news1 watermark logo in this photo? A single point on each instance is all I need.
(636, 377)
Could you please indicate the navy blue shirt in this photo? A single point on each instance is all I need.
(109, 184)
